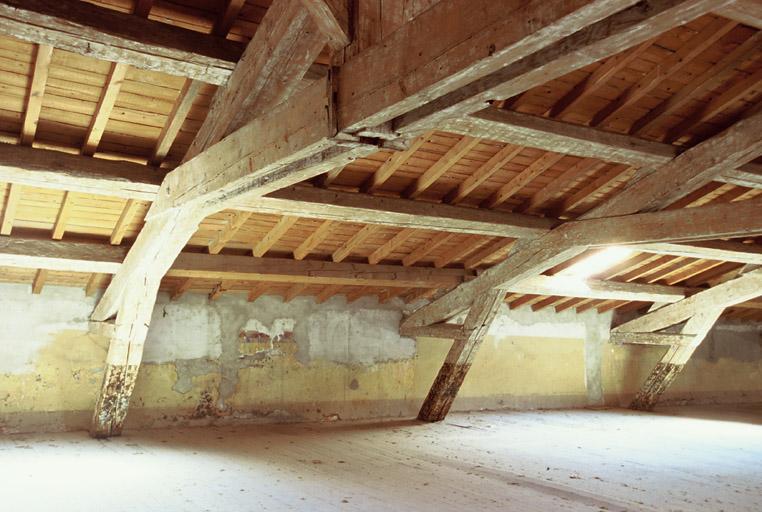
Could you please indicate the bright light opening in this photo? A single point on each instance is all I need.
(597, 262)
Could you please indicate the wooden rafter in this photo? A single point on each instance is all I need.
(441, 166)
(271, 238)
(234, 224)
(125, 218)
(9, 211)
(315, 239)
(104, 107)
(43, 56)
(64, 212)
(175, 121)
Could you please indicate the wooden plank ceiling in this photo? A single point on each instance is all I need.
(681, 88)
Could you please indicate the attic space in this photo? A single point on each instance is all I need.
(381, 255)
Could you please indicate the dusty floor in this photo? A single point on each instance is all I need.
(679, 459)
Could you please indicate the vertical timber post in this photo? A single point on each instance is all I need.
(673, 362)
(123, 360)
(461, 355)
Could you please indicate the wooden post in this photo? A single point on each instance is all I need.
(673, 362)
(461, 355)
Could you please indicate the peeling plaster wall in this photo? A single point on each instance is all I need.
(231, 360)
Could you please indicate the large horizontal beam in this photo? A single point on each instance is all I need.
(107, 259)
(105, 34)
(76, 173)
(720, 250)
(596, 289)
(584, 141)
(88, 257)
(615, 31)
(651, 338)
(724, 220)
(391, 211)
(452, 44)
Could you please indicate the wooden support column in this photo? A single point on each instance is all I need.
(673, 362)
(123, 359)
(460, 357)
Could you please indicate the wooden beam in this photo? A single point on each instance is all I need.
(181, 288)
(390, 165)
(9, 212)
(446, 331)
(357, 240)
(332, 18)
(712, 250)
(36, 91)
(593, 39)
(385, 250)
(460, 357)
(104, 107)
(690, 170)
(583, 141)
(294, 291)
(650, 338)
(263, 79)
(64, 212)
(107, 259)
(476, 259)
(402, 213)
(271, 238)
(423, 250)
(483, 173)
(441, 166)
(721, 220)
(125, 218)
(113, 36)
(596, 289)
(672, 363)
(404, 80)
(522, 179)
(555, 188)
(61, 171)
(315, 239)
(39, 281)
(256, 292)
(93, 283)
(234, 224)
(175, 121)
(745, 287)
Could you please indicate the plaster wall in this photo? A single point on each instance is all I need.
(233, 361)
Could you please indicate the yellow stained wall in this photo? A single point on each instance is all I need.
(509, 371)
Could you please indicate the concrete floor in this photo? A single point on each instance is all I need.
(680, 459)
